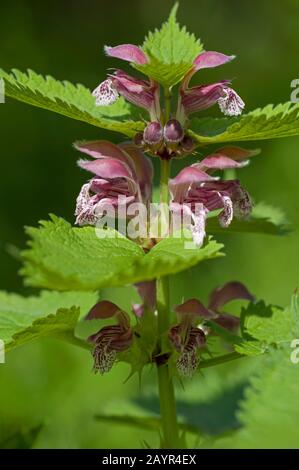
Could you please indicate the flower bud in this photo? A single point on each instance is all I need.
(138, 139)
(153, 133)
(173, 132)
(187, 144)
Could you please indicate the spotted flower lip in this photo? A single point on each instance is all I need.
(112, 339)
(199, 98)
(187, 338)
(219, 297)
(202, 97)
(119, 170)
(230, 103)
(195, 192)
(142, 93)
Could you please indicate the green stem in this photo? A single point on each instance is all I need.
(215, 361)
(164, 192)
(170, 429)
(167, 97)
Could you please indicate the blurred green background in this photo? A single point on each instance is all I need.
(49, 384)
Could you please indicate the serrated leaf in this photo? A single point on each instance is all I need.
(263, 219)
(25, 319)
(295, 314)
(73, 101)
(266, 123)
(64, 258)
(250, 225)
(275, 215)
(171, 51)
(266, 326)
(250, 348)
(270, 324)
(170, 256)
(269, 412)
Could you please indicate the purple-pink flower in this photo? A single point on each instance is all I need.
(122, 175)
(142, 93)
(148, 293)
(195, 192)
(109, 340)
(187, 339)
(189, 335)
(127, 52)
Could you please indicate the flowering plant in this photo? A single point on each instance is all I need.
(158, 111)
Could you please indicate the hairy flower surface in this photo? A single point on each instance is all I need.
(142, 93)
(187, 339)
(201, 97)
(189, 335)
(119, 170)
(165, 134)
(109, 340)
(195, 192)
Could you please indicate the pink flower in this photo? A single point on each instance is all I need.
(195, 192)
(202, 97)
(142, 93)
(189, 335)
(109, 340)
(121, 173)
(127, 52)
(221, 296)
(187, 339)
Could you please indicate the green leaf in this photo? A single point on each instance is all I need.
(170, 256)
(171, 51)
(250, 348)
(224, 333)
(269, 413)
(55, 314)
(295, 314)
(263, 219)
(64, 258)
(270, 324)
(264, 327)
(74, 101)
(20, 439)
(209, 401)
(267, 123)
(148, 423)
